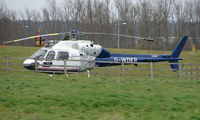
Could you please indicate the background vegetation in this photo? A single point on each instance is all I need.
(163, 20)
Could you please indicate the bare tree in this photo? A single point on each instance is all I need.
(158, 19)
(5, 22)
(145, 16)
(46, 19)
(191, 19)
(128, 15)
(65, 13)
(161, 12)
(197, 12)
(77, 11)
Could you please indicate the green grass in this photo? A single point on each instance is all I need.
(44, 97)
(25, 96)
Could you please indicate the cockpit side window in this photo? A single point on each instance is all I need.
(63, 55)
(50, 55)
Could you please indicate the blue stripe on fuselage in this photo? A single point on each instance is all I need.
(128, 55)
(129, 59)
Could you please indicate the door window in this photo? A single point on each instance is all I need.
(63, 55)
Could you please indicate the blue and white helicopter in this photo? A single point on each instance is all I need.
(79, 54)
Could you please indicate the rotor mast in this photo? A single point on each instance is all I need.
(73, 35)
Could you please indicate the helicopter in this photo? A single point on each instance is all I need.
(79, 53)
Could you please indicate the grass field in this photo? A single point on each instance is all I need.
(25, 96)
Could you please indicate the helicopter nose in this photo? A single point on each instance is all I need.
(29, 64)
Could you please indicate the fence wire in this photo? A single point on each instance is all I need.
(144, 70)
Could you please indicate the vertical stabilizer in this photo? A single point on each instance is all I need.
(176, 52)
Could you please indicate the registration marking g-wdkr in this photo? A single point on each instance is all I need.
(125, 59)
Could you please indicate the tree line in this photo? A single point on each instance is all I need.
(165, 21)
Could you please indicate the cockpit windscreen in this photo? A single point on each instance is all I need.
(39, 54)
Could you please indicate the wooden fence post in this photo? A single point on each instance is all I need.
(6, 65)
(123, 69)
(94, 68)
(186, 73)
(88, 72)
(180, 71)
(191, 77)
(151, 70)
(36, 66)
(197, 73)
(65, 68)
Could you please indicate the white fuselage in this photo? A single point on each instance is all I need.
(78, 55)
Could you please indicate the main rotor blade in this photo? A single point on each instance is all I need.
(27, 38)
(78, 33)
(129, 36)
